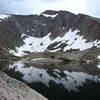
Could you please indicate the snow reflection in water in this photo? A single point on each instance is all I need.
(69, 79)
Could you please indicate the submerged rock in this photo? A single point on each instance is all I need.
(11, 89)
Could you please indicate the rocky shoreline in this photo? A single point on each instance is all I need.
(89, 55)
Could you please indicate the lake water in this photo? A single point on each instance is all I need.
(57, 81)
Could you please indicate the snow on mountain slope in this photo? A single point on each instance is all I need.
(98, 56)
(71, 39)
(51, 31)
(52, 16)
(33, 44)
(98, 66)
(4, 16)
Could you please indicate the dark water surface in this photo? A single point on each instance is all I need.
(58, 81)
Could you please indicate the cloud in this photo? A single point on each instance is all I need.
(16, 6)
(93, 7)
(37, 6)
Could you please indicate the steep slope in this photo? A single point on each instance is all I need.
(51, 31)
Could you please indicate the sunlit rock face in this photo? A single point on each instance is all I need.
(51, 31)
(12, 89)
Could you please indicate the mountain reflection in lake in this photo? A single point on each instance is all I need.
(70, 80)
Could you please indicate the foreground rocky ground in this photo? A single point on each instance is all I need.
(11, 89)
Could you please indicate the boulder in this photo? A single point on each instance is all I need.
(12, 89)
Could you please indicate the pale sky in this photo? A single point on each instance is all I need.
(90, 7)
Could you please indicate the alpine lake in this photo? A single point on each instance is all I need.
(57, 81)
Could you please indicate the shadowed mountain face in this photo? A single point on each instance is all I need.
(51, 31)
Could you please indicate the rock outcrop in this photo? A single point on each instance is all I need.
(11, 89)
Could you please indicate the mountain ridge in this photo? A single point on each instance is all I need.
(49, 31)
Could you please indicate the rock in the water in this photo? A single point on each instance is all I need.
(11, 89)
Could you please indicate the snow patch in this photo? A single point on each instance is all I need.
(4, 16)
(98, 57)
(52, 16)
(23, 35)
(98, 66)
(58, 45)
(55, 50)
(37, 59)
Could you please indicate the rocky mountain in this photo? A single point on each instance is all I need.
(51, 31)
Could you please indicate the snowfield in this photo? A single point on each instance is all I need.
(34, 44)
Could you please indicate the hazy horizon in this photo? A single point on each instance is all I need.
(25, 7)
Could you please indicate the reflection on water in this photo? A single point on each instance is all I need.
(56, 83)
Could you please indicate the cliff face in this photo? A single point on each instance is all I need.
(50, 31)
